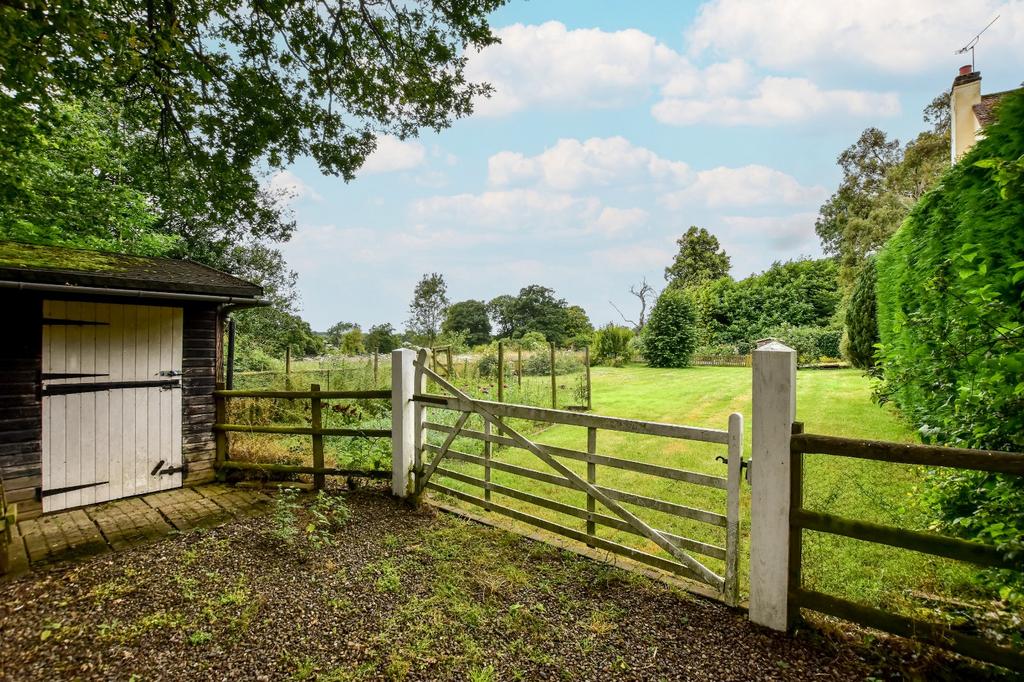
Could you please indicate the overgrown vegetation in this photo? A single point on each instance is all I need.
(670, 336)
(951, 321)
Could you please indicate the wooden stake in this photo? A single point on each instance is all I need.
(316, 422)
(586, 362)
(376, 375)
(554, 381)
(519, 366)
(591, 478)
(501, 371)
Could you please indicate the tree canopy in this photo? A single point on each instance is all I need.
(700, 259)
(471, 318)
(428, 307)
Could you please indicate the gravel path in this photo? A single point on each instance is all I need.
(400, 595)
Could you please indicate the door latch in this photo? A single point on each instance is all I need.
(745, 464)
(169, 373)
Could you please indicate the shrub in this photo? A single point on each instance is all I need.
(810, 343)
(612, 345)
(532, 341)
(539, 364)
(949, 289)
(670, 335)
(861, 319)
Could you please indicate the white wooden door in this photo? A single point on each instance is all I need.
(111, 401)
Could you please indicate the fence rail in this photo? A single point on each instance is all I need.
(316, 431)
(721, 361)
(979, 553)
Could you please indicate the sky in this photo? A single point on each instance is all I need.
(614, 127)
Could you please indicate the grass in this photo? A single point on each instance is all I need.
(835, 402)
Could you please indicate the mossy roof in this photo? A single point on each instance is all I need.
(33, 263)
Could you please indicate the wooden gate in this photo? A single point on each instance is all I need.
(671, 552)
(111, 401)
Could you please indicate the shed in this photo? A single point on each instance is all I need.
(108, 364)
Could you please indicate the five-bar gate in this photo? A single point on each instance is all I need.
(671, 552)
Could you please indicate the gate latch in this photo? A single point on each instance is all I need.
(169, 373)
(744, 464)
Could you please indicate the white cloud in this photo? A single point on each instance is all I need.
(526, 210)
(908, 36)
(597, 162)
(744, 186)
(631, 258)
(775, 101)
(614, 221)
(287, 187)
(753, 242)
(550, 65)
(393, 154)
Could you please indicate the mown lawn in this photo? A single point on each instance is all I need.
(833, 402)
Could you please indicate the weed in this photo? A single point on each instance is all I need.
(484, 674)
(199, 637)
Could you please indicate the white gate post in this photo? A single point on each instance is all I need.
(403, 420)
(774, 398)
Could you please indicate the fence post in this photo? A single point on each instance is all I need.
(519, 368)
(376, 375)
(501, 371)
(317, 422)
(288, 368)
(403, 420)
(586, 361)
(774, 398)
(220, 416)
(554, 381)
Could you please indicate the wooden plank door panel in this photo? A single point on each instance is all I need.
(110, 441)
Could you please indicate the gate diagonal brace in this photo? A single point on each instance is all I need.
(421, 481)
(650, 533)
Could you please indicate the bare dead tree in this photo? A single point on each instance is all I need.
(646, 293)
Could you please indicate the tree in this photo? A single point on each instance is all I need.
(645, 293)
(273, 330)
(579, 331)
(537, 309)
(201, 99)
(381, 338)
(700, 259)
(429, 302)
(336, 332)
(352, 342)
(469, 317)
(612, 345)
(861, 320)
(500, 310)
(864, 165)
(670, 336)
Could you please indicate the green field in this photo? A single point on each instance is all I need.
(833, 402)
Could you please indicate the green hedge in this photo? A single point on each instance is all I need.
(862, 319)
(950, 293)
(670, 336)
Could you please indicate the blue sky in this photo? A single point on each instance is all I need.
(614, 127)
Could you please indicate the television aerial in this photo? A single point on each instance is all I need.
(974, 41)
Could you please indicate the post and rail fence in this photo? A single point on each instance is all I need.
(316, 431)
(779, 518)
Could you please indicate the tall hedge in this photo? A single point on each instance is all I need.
(670, 335)
(950, 292)
(950, 296)
(862, 320)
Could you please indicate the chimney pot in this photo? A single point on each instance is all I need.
(966, 69)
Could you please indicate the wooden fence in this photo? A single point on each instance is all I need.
(721, 361)
(316, 431)
(8, 521)
(801, 519)
(498, 432)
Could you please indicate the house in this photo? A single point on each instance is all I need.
(969, 111)
(108, 364)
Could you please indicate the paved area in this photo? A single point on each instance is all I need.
(128, 522)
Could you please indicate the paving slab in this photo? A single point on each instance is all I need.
(116, 525)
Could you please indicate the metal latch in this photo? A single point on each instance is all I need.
(169, 373)
(744, 464)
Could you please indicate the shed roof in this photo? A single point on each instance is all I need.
(32, 263)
